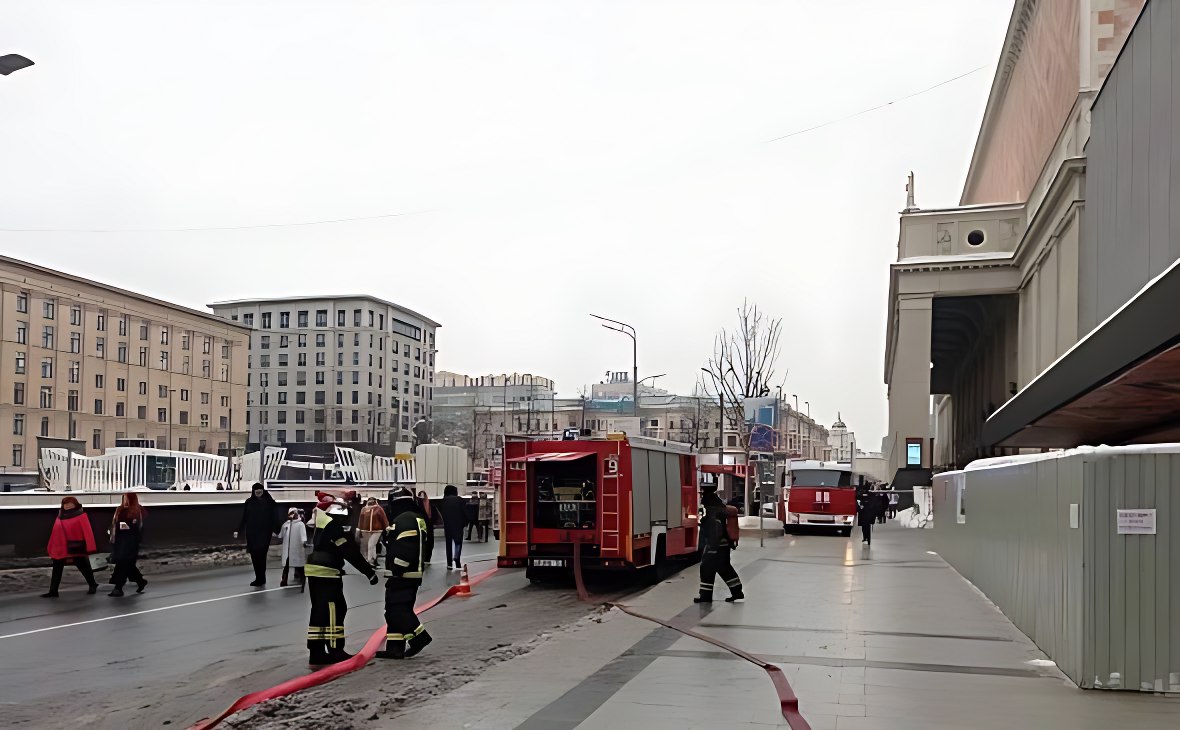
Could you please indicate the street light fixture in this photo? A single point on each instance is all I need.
(13, 62)
(630, 332)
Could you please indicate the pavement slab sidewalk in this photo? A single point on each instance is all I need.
(879, 638)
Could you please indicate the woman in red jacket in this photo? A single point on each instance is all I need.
(71, 539)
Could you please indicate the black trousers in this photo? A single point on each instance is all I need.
(126, 570)
(59, 567)
(866, 531)
(715, 562)
(401, 623)
(325, 628)
(258, 560)
(454, 540)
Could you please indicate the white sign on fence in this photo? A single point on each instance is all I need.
(1136, 521)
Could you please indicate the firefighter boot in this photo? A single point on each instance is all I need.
(394, 649)
(318, 654)
(336, 655)
(417, 644)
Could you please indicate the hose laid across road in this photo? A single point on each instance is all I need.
(334, 671)
(788, 702)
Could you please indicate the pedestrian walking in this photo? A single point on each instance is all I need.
(332, 545)
(405, 553)
(717, 544)
(471, 512)
(882, 506)
(71, 540)
(454, 518)
(371, 526)
(428, 514)
(866, 514)
(293, 537)
(893, 501)
(259, 524)
(125, 533)
(485, 516)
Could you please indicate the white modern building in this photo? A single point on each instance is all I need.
(335, 369)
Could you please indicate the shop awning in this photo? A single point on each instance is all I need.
(558, 456)
(1118, 385)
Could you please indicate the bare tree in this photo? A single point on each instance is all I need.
(743, 367)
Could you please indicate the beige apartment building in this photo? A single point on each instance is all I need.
(84, 360)
(987, 295)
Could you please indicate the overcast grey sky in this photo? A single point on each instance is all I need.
(556, 157)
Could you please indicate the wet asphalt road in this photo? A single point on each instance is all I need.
(192, 643)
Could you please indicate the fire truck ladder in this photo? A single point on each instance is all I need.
(611, 538)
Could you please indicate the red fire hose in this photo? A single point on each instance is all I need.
(788, 702)
(329, 673)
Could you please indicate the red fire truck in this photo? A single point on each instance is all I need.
(820, 494)
(631, 503)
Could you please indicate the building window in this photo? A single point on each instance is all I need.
(162, 415)
(207, 346)
(100, 381)
(123, 326)
(47, 396)
(284, 341)
(22, 302)
(142, 387)
(321, 359)
(283, 360)
(100, 345)
(76, 316)
(282, 416)
(248, 319)
(143, 332)
(356, 318)
(225, 401)
(163, 361)
(321, 318)
(75, 372)
(282, 432)
(302, 319)
(182, 444)
(284, 320)
(98, 406)
(264, 342)
(122, 353)
(164, 336)
(141, 413)
(223, 422)
(120, 409)
(282, 397)
(205, 420)
(72, 401)
(204, 399)
(184, 342)
(47, 338)
(18, 452)
(184, 418)
(20, 363)
(47, 309)
(143, 357)
(101, 321)
(22, 333)
(47, 368)
(303, 340)
(18, 394)
(202, 445)
(207, 370)
(184, 394)
(266, 320)
(264, 361)
(18, 424)
(340, 318)
(321, 340)
(319, 397)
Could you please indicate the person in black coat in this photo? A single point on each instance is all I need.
(866, 514)
(454, 519)
(126, 532)
(258, 524)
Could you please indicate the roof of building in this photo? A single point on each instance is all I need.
(8, 260)
(322, 297)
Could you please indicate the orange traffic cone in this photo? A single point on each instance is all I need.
(464, 587)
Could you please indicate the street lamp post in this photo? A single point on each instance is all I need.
(630, 332)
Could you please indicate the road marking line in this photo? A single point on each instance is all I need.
(140, 613)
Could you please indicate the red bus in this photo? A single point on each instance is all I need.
(631, 503)
(821, 494)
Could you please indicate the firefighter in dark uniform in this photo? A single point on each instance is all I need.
(715, 549)
(405, 556)
(332, 544)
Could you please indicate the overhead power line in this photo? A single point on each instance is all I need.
(216, 228)
(875, 108)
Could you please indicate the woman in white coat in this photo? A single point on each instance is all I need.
(293, 535)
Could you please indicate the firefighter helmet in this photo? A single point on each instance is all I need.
(397, 494)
